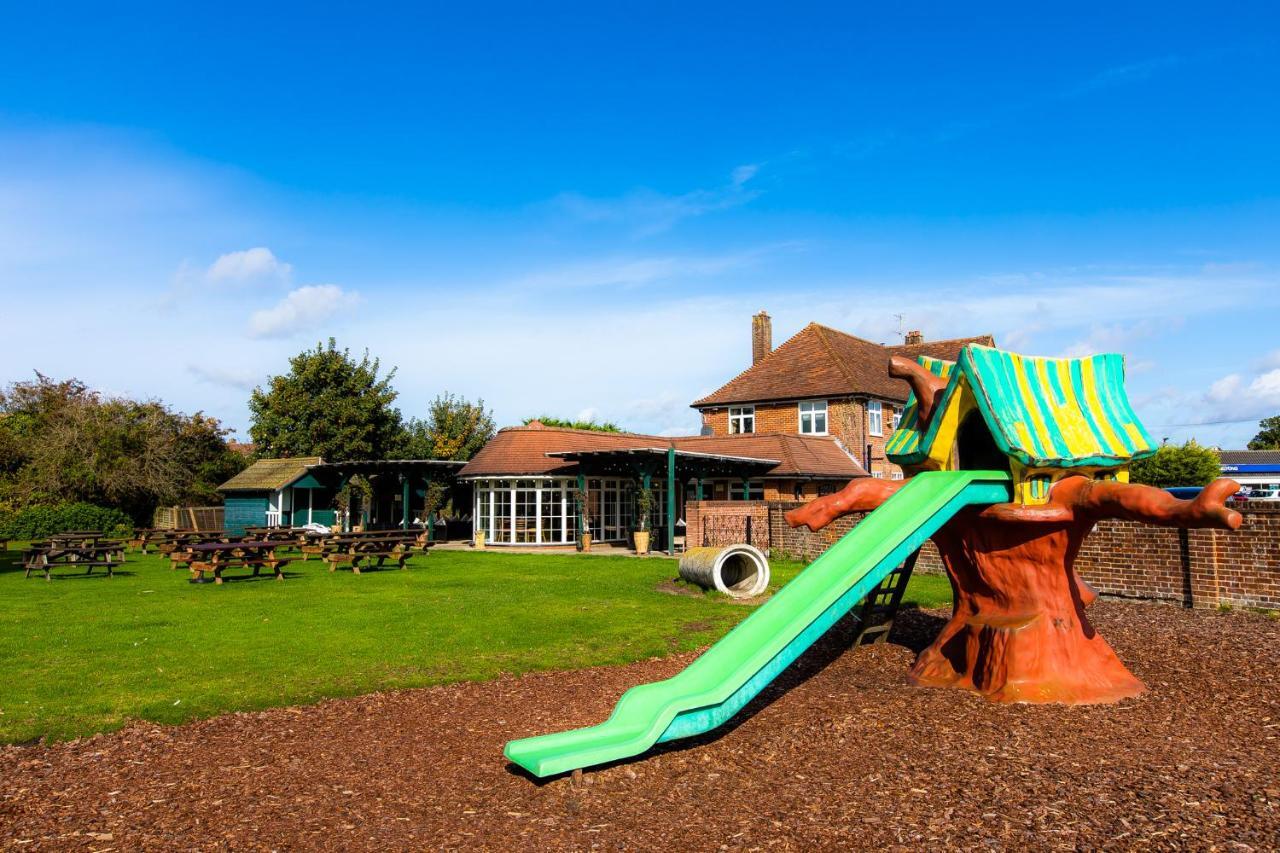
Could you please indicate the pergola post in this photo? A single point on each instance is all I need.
(698, 491)
(431, 516)
(404, 520)
(671, 500)
(582, 490)
(345, 526)
(646, 484)
(746, 489)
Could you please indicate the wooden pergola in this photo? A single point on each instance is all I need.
(676, 466)
(408, 474)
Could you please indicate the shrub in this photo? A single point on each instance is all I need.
(1177, 465)
(35, 522)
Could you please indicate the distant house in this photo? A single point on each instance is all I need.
(525, 479)
(1257, 470)
(823, 382)
(273, 492)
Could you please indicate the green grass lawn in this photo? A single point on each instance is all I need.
(86, 654)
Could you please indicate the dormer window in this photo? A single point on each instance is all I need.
(813, 417)
(742, 419)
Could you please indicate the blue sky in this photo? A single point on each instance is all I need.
(576, 209)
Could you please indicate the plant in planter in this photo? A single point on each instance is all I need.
(583, 501)
(644, 506)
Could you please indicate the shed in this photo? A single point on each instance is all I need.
(277, 492)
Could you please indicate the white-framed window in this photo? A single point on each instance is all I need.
(527, 512)
(742, 419)
(813, 417)
(875, 417)
(897, 419)
(897, 475)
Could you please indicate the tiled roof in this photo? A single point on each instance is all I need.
(1250, 457)
(267, 475)
(819, 361)
(522, 451)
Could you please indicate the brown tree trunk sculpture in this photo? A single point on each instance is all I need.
(1018, 631)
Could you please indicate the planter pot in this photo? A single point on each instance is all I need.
(642, 541)
(586, 542)
(479, 540)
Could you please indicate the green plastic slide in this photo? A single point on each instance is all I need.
(729, 674)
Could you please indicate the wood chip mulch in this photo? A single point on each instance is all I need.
(842, 753)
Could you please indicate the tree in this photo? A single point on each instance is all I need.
(562, 423)
(327, 405)
(62, 442)
(1177, 465)
(453, 429)
(1268, 437)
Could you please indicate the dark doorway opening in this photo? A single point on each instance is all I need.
(976, 448)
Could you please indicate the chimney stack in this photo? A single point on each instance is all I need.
(761, 336)
(915, 336)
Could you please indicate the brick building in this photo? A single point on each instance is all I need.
(822, 382)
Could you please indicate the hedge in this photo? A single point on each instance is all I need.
(36, 522)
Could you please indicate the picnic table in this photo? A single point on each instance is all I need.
(317, 544)
(362, 549)
(144, 536)
(44, 556)
(215, 557)
(69, 537)
(176, 540)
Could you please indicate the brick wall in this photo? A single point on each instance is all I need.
(1195, 568)
(725, 523)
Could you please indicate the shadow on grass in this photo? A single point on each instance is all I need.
(66, 575)
(913, 628)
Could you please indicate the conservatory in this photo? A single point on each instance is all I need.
(543, 511)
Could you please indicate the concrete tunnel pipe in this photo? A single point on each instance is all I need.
(739, 571)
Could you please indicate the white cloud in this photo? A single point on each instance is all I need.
(1244, 398)
(1119, 75)
(253, 264)
(628, 272)
(1270, 361)
(1116, 337)
(744, 173)
(302, 310)
(647, 212)
(227, 377)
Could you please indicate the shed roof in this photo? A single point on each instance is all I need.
(819, 361)
(268, 475)
(1043, 412)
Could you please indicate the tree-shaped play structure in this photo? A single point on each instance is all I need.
(1012, 461)
(1065, 432)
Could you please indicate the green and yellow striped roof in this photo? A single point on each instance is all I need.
(905, 441)
(1043, 412)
